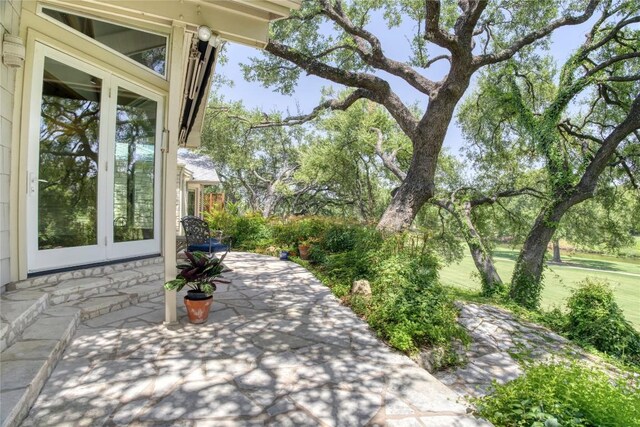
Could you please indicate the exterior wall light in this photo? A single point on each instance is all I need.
(12, 51)
(215, 41)
(204, 33)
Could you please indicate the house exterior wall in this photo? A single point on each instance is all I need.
(9, 23)
(235, 20)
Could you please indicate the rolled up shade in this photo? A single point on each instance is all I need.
(200, 68)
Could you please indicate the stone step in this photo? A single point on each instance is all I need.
(77, 289)
(26, 365)
(54, 278)
(19, 308)
(117, 299)
(17, 311)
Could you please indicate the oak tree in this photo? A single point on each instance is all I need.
(336, 40)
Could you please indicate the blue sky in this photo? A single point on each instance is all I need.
(308, 91)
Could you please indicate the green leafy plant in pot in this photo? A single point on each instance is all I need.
(198, 273)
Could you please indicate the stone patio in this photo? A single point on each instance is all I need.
(500, 343)
(278, 350)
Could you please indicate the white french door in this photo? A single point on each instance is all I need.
(93, 167)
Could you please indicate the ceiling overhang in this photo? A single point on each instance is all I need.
(241, 21)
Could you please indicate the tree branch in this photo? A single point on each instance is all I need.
(373, 53)
(331, 104)
(436, 59)
(589, 179)
(265, 180)
(504, 54)
(388, 160)
(466, 22)
(484, 200)
(612, 61)
(376, 89)
(433, 32)
(612, 33)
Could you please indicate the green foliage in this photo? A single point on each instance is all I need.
(595, 319)
(409, 307)
(223, 220)
(289, 170)
(299, 230)
(561, 395)
(198, 273)
(246, 231)
(353, 257)
(555, 319)
(257, 163)
(525, 289)
(342, 159)
(252, 229)
(603, 223)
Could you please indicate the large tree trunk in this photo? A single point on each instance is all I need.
(412, 194)
(419, 185)
(555, 244)
(269, 204)
(526, 285)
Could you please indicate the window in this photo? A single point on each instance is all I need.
(143, 47)
(191, 203)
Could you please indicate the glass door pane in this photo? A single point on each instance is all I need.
(68, 157)
(134, 169)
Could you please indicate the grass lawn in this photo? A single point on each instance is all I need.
(559, 280)
(583, 260)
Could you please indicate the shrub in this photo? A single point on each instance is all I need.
(248, 231)
(341, 237)
(252, 230)
(297, 230)
(554, 319)
(410, 307)
(222, 220)
(351, 257)
(562, 395)
(595, 319)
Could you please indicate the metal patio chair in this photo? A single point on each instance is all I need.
(200, 238)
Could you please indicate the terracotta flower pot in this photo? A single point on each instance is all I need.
(304, 251)
(198, 309)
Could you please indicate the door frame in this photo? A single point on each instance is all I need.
(105, 249)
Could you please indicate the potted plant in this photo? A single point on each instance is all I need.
(198, 273)
(303, 249)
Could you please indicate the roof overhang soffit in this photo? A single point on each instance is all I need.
(241, 21)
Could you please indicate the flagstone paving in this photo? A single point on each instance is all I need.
(501, 343)
(278, 350)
